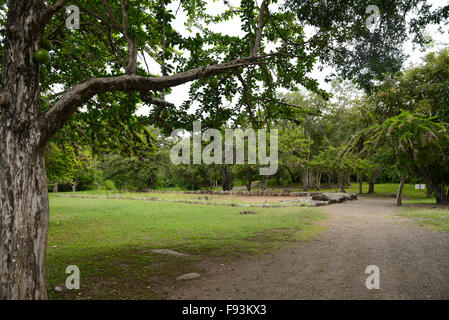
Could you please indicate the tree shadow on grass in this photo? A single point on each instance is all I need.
(135, 272)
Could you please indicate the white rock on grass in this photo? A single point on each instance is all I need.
(188, 276)
(168, 251)
(61, 288)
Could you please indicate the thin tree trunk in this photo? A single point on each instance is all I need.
(399, 194)
(150, 183)
(227, 178)
(264, 183)
(341, 185)
(360, 184)
(305, 180)
(318, 181)
(329, 181)
(372, 180)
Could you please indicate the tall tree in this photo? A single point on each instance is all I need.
(417, 144)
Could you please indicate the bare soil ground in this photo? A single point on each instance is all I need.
(413, 262)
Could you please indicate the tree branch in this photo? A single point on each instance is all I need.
(261, 24)
(74, 98)
(245, 97)
(114, 21)
(156, 101)
(131, 68)
(55, 7)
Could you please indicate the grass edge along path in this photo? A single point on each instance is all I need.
(432, 218)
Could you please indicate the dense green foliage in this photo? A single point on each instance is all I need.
(319, 131)
(335, 140)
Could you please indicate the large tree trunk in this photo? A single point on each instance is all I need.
(438, 189)
(372, 180)
(24, 209)
(24, 221)
(428, 192)
(441, 196)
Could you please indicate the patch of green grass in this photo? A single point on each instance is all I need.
(423, 200)
(436, 219)
(110, 241)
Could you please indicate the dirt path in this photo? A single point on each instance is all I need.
(413, 262)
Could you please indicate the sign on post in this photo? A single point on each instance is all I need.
(420, 187)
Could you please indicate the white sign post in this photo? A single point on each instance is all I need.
(420, 187)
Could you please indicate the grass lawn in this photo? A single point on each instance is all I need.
(110, 241)
(436, 219)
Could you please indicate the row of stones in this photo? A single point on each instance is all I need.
(317, 199)
(284, 193)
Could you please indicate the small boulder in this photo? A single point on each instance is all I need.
(247, 212)
(168, 251)
(188, 276)
(320, 197)
(61, 288)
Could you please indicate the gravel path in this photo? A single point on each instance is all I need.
(413, 262)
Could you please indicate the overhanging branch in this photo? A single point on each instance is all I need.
(76, 97)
